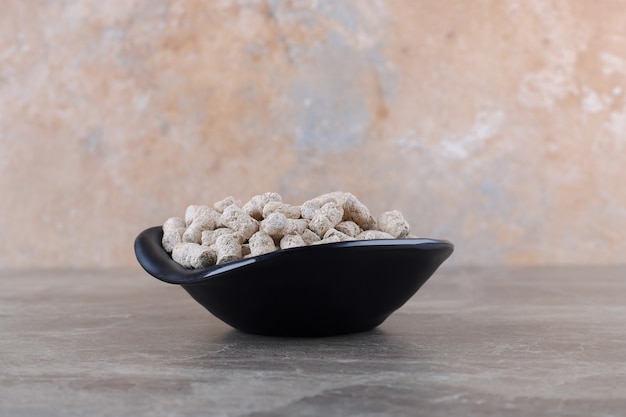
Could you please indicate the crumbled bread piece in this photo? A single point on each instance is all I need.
(373, 234)
(291, 241)
(394, 223)
(255, 206)
(327, 217)
(349, 227)
(261, 243)
(221, 205)
(235, 218)
(334, 232)
(228, 248)
(192, 255)
(291, 212)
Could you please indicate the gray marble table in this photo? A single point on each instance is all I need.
(471, 342)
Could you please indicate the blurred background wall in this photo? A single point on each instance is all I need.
(497, 124)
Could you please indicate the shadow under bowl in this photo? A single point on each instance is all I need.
(319, 290)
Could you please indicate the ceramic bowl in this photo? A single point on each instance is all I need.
(319, 290)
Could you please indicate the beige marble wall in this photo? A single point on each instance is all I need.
(497, 124)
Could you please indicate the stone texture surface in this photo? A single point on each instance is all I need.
(496, 124)
(472, 342)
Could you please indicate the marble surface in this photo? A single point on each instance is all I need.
(471, 342)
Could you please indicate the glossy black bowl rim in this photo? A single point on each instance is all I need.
(158, 263)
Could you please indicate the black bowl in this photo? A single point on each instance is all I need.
(319, 290)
